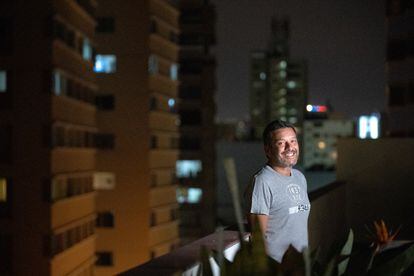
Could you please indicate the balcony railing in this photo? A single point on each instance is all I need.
(326, 222)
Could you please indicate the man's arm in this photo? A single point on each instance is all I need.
(262, 221)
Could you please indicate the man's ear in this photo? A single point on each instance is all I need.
(266, 149)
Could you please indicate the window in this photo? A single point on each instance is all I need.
(5, 144)
(105, 64)
(3, 190)
(104, 258)
(188, 168)
(105, 102)
(190, 117)
(105, 219)
(86, 50)
(3, 81)
(105, 25)
(189, 195)
(152, 64)
(104, 141)
(174, 71)
(154, 142)
(59, 83)
(396, 96)
(6, 36)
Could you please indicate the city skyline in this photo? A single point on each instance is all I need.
(331, 36)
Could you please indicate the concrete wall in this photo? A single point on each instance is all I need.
(379, 182)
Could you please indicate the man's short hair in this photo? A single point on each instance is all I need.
(272, 126)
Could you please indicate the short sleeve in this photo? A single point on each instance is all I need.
(261, 197)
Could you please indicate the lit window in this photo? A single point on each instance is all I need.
(3, 190)
(188, 168)
(321, 145)
(189, 195)
(3, 81)
(282, 64)
(59, 83)
(293, 120)
(105, 64)
(86, 50)
(171, 103)
(262, 75)
(152, 64)
(174, 71)
(291, 84)
(282, 74)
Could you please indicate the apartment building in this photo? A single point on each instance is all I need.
(400, 68)
(48, 137)
(137, 71)
(196, 107)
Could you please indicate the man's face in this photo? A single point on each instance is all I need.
(283, 150)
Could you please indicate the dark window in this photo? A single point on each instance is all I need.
(153, 27)
(105, 102)
(6, 254)
(153, 220)
(153, 103)
(190, 143)
(59, 30)
(5, 144)
(396, 49)
(6, 36)
(105, 219)
(104, 258)
(154, 142)
(105, 25)
(5, 89)
(70, 38)
(104, 141)
(396, 97)
(189, 93)
(190, 117)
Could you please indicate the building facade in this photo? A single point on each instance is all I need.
(48, 138)
(137, 70)
(196, 107)
(278, 83)
(320, 142)
(400, 68)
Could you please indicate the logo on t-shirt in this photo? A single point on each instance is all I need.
(294, 193)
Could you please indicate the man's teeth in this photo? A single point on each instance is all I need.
(290, 153)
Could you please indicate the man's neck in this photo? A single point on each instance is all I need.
(286, 171)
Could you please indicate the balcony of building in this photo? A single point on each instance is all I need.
(163, 85)
(165, 11)
(77, 258)
(163, 47)
(68, 109)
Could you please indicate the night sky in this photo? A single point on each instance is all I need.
(342, 40)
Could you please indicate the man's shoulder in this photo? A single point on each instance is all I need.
(299, 174)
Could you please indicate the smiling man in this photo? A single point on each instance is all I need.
(278, 196)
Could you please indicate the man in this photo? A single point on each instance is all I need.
(278, 197)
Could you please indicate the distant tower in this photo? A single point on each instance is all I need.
(278, 87)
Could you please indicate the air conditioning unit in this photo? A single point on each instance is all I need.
(104, 181)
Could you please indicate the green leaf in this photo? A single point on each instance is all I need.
(346, 250)
(397, 265)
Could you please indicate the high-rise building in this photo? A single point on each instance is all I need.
(400, 68)
(137, 70)
(278, 87)
(196, 106)
(48, 138)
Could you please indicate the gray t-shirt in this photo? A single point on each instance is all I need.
(285, 200)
